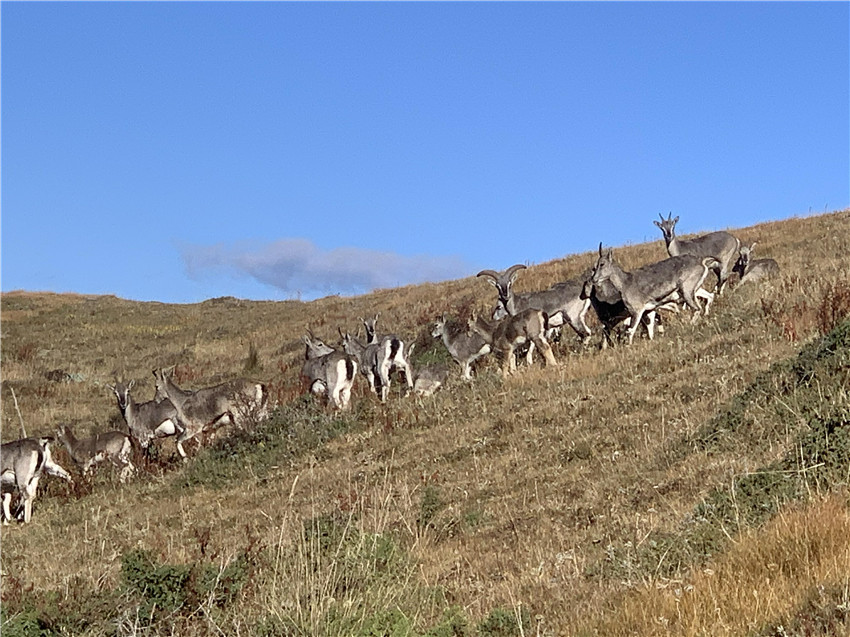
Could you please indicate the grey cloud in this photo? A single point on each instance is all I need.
(299, 267)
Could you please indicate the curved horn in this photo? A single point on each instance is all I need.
(493, 278)
(600, 246)
(511, 273)
(489, 273)
(662, 216)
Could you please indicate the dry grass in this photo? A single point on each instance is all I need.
(763, 582)
(509, 494)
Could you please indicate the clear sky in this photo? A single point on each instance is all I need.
(181, 151)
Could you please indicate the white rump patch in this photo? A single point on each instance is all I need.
(167, 428)
(557, 319)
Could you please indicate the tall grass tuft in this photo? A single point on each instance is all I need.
(252, 362)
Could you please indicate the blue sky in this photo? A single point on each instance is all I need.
(182, 151)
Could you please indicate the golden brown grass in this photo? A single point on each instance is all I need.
(765, 578)
(528, 482)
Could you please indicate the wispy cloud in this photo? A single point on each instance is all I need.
(299, 268)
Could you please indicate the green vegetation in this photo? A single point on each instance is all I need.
(291, 431)
(786, 396)
(805, 399)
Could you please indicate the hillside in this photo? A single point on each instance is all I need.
(692, 485)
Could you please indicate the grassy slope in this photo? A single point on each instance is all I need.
(550, 491)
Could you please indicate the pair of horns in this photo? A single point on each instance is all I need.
(507, 274)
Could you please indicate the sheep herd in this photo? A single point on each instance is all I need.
(519, 320)
(528, 320)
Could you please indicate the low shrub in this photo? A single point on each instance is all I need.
(502, 622)
(165, 590)
(291, 431)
